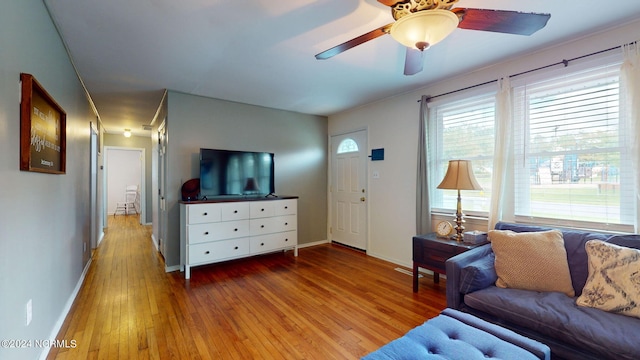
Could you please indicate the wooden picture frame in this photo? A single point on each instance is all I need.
(43, 128)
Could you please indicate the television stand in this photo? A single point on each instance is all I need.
(219, 230)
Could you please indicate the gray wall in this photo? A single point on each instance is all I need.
(140, 142)
(299, 142)
(44, 218)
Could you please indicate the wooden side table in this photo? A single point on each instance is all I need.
(431, 252)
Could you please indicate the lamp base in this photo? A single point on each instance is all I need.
(459, 228)
(459, 220)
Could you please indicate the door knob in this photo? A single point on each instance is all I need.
(362, 199)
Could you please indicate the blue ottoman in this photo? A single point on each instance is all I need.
(456, 335)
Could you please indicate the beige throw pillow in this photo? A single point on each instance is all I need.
(614, 279)
(531, 261)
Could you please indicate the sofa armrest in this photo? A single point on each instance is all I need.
(454, 266)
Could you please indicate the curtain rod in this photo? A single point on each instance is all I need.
(563, 62)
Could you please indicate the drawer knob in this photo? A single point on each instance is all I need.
(205, 214)
(262, 244)
(262, 226)
(261, 209)
(286, 207)
(235, 248)
(235, 229)
(285, 240)
(207, 252)
(235, 211)
(206, 233)
(285, 224)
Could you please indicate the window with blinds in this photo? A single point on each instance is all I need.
(571, 165)
(464, 129)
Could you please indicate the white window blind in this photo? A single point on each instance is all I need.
(570, 159)
(464, 129)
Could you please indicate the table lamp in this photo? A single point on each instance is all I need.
(459, 176)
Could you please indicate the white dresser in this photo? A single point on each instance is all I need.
(217, 231)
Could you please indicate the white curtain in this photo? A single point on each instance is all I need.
(630, 96)
(503, 152)
(423, 209)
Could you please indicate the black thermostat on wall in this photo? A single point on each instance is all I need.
(377, 154)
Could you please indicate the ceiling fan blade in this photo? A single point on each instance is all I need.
(413, 61)
(354, 42)
(502, 21)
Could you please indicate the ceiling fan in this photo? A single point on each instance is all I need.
(422, 23)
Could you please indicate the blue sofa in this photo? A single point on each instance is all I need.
(553, 318)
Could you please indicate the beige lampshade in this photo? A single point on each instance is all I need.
(459, 176)
(422, 29)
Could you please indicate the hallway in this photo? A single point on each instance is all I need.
(329, 303)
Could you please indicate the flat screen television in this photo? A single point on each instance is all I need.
(229, 173)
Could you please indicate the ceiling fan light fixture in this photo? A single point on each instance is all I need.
(424, 27)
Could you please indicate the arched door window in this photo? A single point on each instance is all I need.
(347, 145)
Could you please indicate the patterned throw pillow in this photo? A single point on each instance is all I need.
(614, 279)
(531, 261)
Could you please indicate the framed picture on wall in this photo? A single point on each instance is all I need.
(43, 126)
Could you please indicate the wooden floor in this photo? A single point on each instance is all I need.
(330, 302)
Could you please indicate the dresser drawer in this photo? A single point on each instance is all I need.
(218, 251)
(273, 224)
(285, 223)
(200, 233)
(435, 258)
(272, 242)
(260, 209)
(286, 207)
(203, 213)
(234, 211)
(432, 251)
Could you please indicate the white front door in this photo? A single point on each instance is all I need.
(349, 189)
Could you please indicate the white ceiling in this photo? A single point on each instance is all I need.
(261, 52)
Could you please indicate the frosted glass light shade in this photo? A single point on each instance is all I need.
(424, 28)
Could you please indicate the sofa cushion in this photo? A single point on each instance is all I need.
(614, 279)
(478, 274)
(555, 315)
(531, 261)
(629, 240)
(574, 241)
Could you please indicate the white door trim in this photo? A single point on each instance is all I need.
(142, 152)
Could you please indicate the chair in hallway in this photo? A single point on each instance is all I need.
(130, 201)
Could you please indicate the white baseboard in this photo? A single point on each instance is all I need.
(155, 242)
(65, 310)
(393, 261)
(171, 268)
(403, 264)
(100, 238)
(315, 243)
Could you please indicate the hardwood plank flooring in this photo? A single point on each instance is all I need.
(331, 302)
